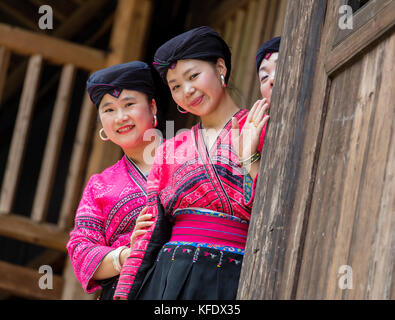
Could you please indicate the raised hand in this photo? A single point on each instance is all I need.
(246, 143)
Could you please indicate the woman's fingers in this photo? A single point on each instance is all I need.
(256, 108)
(138, 233)
(144, 217)
(262, 123)
(261, 112)
(143, 224)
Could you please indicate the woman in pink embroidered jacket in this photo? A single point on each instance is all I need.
(113, 199)
(201, 185)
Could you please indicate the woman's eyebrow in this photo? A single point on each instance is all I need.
(105, 104)
(184, 73)
(128, 98)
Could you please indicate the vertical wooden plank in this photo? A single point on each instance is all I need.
(54, 143)
(250, 79)
(280, 17)
(235, 44)
(129, 32)
(242, 63)
(371, 244)
(280, 213)
(79, 156)
(4, 60)
(19, 138)
(228, 31)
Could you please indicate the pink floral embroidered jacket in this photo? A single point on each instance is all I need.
(184, 175)
(105, 218)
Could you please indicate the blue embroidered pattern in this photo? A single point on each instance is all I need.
(210, 213)
(206, 245)
(247, 184)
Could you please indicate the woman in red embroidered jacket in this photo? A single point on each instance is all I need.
(112, 200)
(201, 185)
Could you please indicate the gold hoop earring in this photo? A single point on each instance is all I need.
(101, 135)
(181, 110)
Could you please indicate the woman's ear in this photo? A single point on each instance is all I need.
(153, 107)
(221, 67)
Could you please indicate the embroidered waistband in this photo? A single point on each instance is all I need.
(209, 213)
(192, 225)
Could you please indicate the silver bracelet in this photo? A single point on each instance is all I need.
(115, 255)
(251, 159)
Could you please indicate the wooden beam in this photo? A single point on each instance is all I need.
(54, 143)
(19, 138)
(79, 157)
(66, 30)
(80, 18)
(129, 31)
(56, 12)
(226, 11)
(22, 281)
(4, 61)
(18, 16)
(54, 50)
(42, 234)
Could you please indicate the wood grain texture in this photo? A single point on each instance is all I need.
(4, 61)
(24, 282)
(352, 213)
(54, 143)
(20, 134)
(54, 50)
(41, 234)
(279, 212)
(361, 38)
(79, 156)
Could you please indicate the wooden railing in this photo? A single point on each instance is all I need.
(35, 229)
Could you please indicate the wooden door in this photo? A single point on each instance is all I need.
(323, 222)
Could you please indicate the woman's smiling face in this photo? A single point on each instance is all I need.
(196, 86)
(126, 118)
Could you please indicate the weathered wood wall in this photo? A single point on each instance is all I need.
(325, 198)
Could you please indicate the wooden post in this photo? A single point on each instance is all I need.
(19, 138)
(4, 60)
(275, 239)
(54, 142)
(78, 158)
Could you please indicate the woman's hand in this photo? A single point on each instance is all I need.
(142, 223)
(246, 143)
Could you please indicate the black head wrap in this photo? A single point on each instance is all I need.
(270, 46)
(201, 43)
(135, 75)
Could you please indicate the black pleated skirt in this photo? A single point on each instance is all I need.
(187, 272)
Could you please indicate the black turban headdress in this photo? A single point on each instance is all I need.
(135, 75)
(201, 43)
(270, 46)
